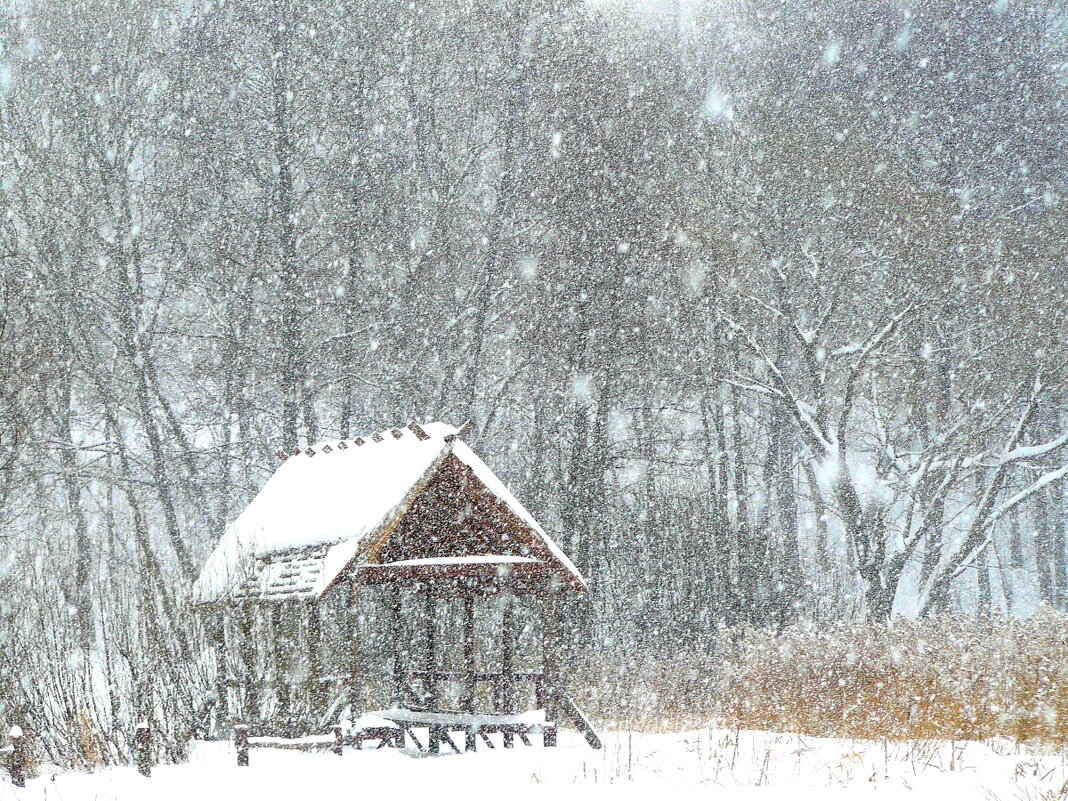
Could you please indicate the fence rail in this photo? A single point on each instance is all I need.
(313, 701)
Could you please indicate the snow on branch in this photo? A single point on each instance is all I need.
(801, 410)
(874, 342)
(1043, 481)
(1032, 451)
(804, 336)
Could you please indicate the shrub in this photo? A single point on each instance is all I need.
(946, 678)
(953, 678)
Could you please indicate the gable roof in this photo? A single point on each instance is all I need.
(338, 502)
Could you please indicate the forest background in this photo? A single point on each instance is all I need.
(758, 306)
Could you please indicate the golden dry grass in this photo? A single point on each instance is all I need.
(948, 678)
(951, 678)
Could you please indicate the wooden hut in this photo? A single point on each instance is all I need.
(413, 522)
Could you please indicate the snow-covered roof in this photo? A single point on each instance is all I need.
(323, 508)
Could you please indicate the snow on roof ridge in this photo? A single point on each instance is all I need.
(391, 434)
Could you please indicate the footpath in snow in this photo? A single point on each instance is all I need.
(715, 763)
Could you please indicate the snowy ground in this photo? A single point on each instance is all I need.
(717, 764)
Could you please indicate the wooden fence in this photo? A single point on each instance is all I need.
(14, 756)
(311, 705)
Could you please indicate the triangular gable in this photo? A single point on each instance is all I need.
(342, 502)
(499, 490)
(458, 516)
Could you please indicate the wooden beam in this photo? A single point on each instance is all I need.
(246, 615)
(350, 648)
(467, 703)
(550, 661)
(430, 687)
(507, 699)
(443, 734)
(241, 744)
(280, 656)
(525, 576)
(316, 689)
(143, 748)
(393, 603)
(217, 623)
(569, 709)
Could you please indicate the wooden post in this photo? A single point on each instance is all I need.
(316, 690)
(339, 740)
(143, 748)
(350, 651)
(431, 692)
(241, 744)
(397, 632)
(467, 703)
(246, 616)
(280, 657)
(222, 667)
(507, 698)
(550, 657)
(17, 766)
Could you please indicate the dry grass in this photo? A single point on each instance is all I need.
(950, 678)
(648, 695)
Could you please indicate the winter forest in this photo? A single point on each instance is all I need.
(758, 305)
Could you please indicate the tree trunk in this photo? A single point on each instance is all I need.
(83, 602)
(293, 369)
(496, 257)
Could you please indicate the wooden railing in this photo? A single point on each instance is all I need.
(318, 701)
(505, 694)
